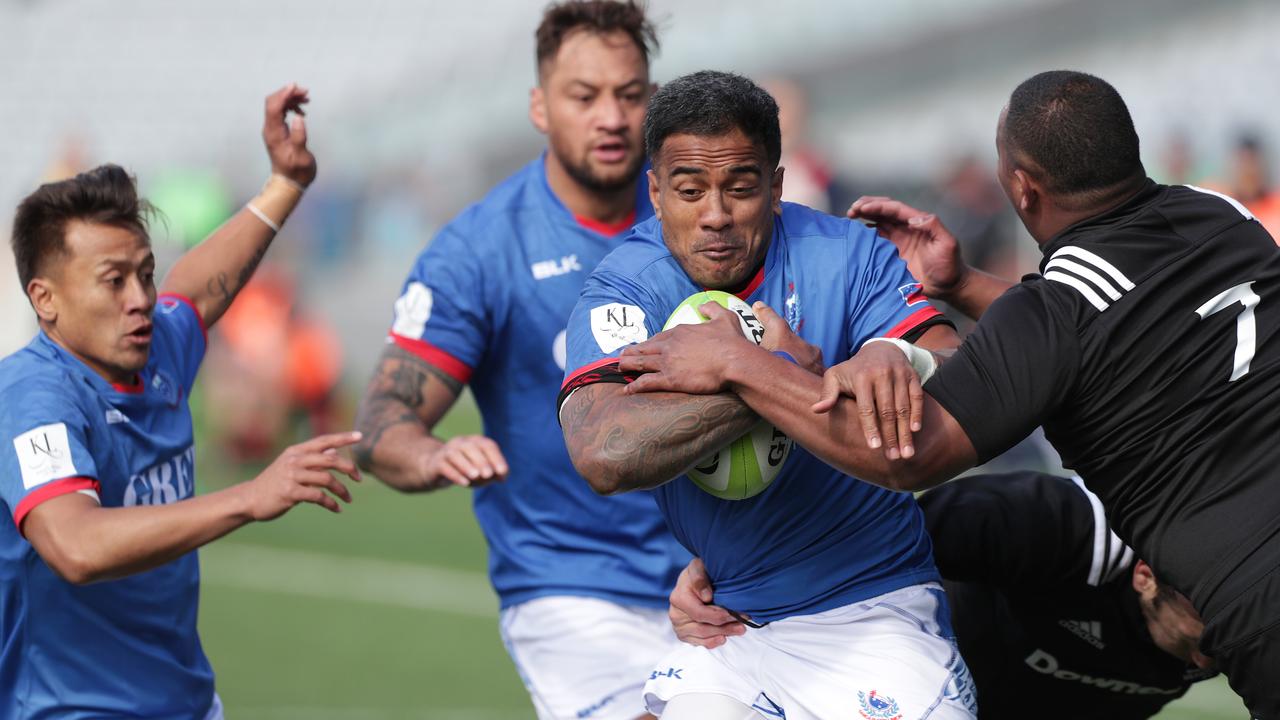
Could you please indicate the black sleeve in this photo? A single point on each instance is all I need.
(1018, 530)
(1012, 372)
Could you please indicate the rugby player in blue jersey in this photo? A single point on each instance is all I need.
(836, 575)
(582, 579)
(99, 583)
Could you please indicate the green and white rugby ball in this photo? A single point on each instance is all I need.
(746, 466)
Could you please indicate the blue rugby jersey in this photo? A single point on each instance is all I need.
(815, 539)
(124, 647)
(487, 302)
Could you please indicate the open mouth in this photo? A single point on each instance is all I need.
(610, 151)
(140, 336)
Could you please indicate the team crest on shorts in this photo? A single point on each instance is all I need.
(878, 707)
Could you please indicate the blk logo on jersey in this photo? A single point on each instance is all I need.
(615, 325)
(878, 707)
(673, 673)
(165, 482)
(912, 294)
(544, 269)
(44, 454)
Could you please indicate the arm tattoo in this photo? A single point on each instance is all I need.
(646, 440)
(221, 286)
(396, 397)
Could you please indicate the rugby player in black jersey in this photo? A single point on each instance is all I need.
(1147, 348)
(1054, 615)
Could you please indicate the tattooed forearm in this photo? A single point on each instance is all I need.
(630, 442)
(405, 398)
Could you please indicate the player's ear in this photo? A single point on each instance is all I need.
(775, 189)
(1025, 190)
(40, 293)
(653, 193)
(1144, 580)
(538, 108)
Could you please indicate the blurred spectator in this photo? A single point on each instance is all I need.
(1251, 183)
(273, 365)
(971, 203)
(808, 179)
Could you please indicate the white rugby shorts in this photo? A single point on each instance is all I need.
(887, 658)
(583, 658)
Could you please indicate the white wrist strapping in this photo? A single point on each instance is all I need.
(922, 361)
(275, 227)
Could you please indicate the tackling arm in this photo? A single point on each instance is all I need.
(783, 393)
(213, 272)
(621, 442)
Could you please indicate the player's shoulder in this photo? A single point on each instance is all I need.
(34, 377)
(802, 223)
(642, 255)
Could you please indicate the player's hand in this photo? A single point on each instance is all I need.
(779, 337)
(888, 392)
(286, 138)
(466, 460)
(687, 358)
(693, 617)
(302, 474)
(929, 249)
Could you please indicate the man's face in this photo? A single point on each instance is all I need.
(101, 295)
(591, 104)
(716, 197)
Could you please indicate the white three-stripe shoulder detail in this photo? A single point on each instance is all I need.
(1234, 202)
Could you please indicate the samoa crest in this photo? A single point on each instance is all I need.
(878, 707)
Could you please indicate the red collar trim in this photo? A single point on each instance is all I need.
(608, 229)
(745, 292)
(132, 389)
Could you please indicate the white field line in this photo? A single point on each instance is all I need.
(349, 578)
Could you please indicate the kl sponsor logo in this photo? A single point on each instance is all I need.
(912, 294)
(615, 325)
(165, 482)
(544, 269)
(878, 707)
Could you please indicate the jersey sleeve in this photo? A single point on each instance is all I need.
(185, 335)
(612, 313)
(443, 312)
(1012, 372)
(1022, 530)
(46, 453)
(886, 300)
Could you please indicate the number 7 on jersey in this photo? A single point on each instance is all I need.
(1246, 327)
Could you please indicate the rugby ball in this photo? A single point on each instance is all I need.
(746, 466)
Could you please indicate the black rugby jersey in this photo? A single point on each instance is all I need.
(1147, 349)
(1043, 604)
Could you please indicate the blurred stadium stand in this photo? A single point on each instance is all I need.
(420, 106)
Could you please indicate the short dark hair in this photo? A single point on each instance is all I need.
(709, 103)
(1076, 130)
(106, 195)
(597, 16)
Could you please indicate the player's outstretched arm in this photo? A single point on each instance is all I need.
(621, 442)
(405, 399)
(84, 542)
(213, 272)
(931, 253)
